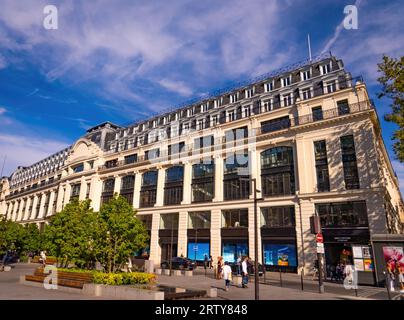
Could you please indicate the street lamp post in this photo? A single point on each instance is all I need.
(253, 182)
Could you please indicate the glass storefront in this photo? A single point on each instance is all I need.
(276, 254)
(198, 250)
(233, 249)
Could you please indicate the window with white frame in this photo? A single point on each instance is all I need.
(234, 97)
(286, 81)
(231, 114)
(287, 99)
(325, 68)
(330, 86)
(191, 112)
(249, 92)
(205, 107)
(185, 126)
(218, 102)
(215, 120)
(305, 75)
(246, 112)
(267, 105)
(200, 124)
(269, 86)
(306, 94)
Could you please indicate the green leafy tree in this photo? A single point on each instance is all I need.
(119, 233)
(11, 236)
(32, 238)
(392, 81)
(70, 233)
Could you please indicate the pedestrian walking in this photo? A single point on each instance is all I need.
(227, 276)
(244, 270)
(219, 267)
(42, 258)
(401, 277)
(205, 262)
(210, 262)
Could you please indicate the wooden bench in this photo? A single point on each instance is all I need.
(49, 260)
(67, 279)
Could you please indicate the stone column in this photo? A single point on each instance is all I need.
(251, 233)
(20, 210)
(95, 192)
(34, 205)
(50, 206)
(42, 205)
(117, 185)
(83, 189)
(182, 233)
(306, 244)
(59, 201)
(215, 233)
(14, 214)
(68, 191)
(305, 166)
(136, 191)
(155, 251)
(26, 213)
(219, 171)
(160, 187)
(187, 189)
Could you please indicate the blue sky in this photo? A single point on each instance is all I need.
(124, 60)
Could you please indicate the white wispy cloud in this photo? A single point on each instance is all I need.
(23, 150)
(2, 111)
(176, 86)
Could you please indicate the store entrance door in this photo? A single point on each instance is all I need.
(337, 254)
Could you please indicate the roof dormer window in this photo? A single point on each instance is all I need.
(269, 86)
(234, 97)
(325, 68)
(218, 102)
(305, 75)
(286, 81)
(249, 92)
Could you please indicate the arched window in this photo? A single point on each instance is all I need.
(277, 171)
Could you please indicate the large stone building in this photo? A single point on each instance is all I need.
(308, 134)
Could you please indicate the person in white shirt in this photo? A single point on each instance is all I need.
(227, 275)
(43, 257)
(244, 272)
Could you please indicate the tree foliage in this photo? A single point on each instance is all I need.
(392, 81)
(119, 234)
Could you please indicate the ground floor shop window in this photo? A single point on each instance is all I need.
(198, 250)
(276, 254)
(233, 249)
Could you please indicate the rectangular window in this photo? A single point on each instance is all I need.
(349, 162)
(236, 134)
(169, 221)
(231, 115)
(320, 154)
(215, 120)
(130, 158)
(325, 68)
(275, 124)
(331, 86)
(236, 218)
(278, 217)
(247, 112)
(287, 100)
(75, 191)
(317, 113)
(269, 86)
(234, 97)
(249, 93)
(152, 154)
(78, 168)
(305, 75)
(286, 81)
(199, 220)
(306, 94)
(343, 214)
(204, 142)
(343, 107)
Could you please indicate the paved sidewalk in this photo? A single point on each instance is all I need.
(272, 289)
(11, 289)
